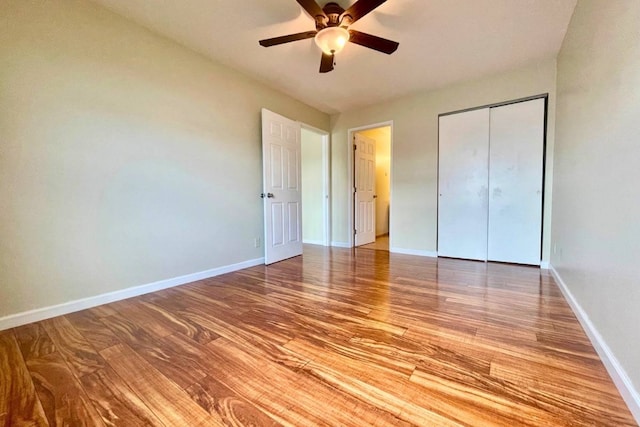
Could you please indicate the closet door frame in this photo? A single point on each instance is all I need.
(544, 96)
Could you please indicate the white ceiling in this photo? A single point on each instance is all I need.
(441, 42)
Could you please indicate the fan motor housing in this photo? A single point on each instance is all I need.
(334, 12)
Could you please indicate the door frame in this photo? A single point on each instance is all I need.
(326, 181)
(351, 170)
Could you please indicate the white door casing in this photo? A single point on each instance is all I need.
(515, 182)
(365, 188)
(282, 193)
(463, 150)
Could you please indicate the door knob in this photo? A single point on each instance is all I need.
(268, 195)
(375, 196)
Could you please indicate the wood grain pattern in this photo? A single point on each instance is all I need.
(116, 403)
(19, 404)
(63, 397)
(167, 401)
(215, 397)
(33, 341)
(293, 400)
(75, 349)
(92, 329)
(336, 337)
(179, 367)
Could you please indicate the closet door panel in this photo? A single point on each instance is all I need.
(463, 147)
(515, 182)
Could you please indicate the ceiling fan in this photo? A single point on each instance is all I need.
(332, 33)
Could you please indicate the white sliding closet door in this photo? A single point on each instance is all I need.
(515, 182)
(462, 184)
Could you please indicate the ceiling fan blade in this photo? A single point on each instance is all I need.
(361, 8)
(286, 39)
(326, 64)
(311, 7)
(373, 42)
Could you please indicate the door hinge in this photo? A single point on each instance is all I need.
(355, 147)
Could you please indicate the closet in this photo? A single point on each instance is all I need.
(490, 180)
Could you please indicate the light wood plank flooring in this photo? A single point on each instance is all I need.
(335, 337)
(380, 244)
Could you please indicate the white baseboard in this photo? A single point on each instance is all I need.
(430, 254)
(38, 314)
(615, 369)
(544, 265)
(313, 242)
(341, 244)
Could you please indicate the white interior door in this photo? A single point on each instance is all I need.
(282, 187)
(515, 182)
(463, 151)
(365, 187)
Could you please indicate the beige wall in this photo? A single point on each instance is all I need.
(415, 150)
(596, 211)
(312, 188)
(124, 158)
(382, 136)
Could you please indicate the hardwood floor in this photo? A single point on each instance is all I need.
(336, 337)
(380, 244)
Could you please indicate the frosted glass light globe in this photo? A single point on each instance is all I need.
(332, 39)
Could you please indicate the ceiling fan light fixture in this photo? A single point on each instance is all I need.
(332, 39)
(331, 30)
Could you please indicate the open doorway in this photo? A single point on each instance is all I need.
(315, 186)
(372, 186)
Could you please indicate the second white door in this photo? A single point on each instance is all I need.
(365, 188)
